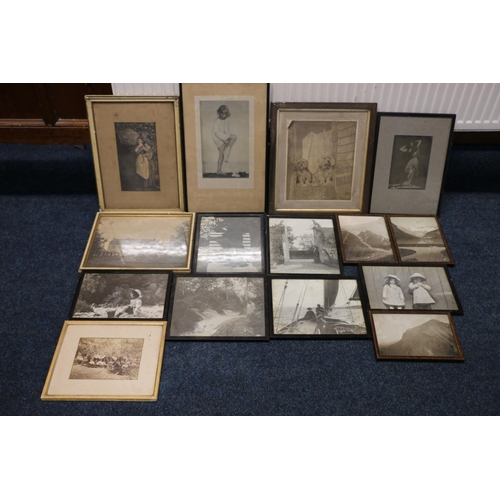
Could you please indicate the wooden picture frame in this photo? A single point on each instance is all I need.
(107, 361)
(152, 241)
(321, 157)
(410, 162)
(225, 136)
(136, 146)
(415, 336)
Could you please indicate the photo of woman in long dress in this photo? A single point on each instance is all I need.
(222, 137)
(144, 154)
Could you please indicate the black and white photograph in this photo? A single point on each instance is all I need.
(137, 156)
(420, 239)
(229, 244)
(126, 241)
(365, 238)
(317, 308)
(218, 307)
(410, 162)
(415, 336)
(410, 288)
(120, 295)
(303, 246)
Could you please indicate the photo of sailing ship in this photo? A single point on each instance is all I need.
(317, 308)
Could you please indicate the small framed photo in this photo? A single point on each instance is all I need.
(316, 307)
(415, 336)
(229, 243)
(225, 135)
(154, 241)
(419, 239)
(403, 287)
(300, 245)
(410, 162)
(121, 295)
(218, 307)
(107, 361)
(321, 157)
(137, 152)
(365, 238)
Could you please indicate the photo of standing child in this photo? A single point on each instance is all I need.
(392, 294)
(419, 289)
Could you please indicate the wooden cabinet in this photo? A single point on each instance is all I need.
(46, 113)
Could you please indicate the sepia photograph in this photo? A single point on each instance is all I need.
(121, 295)
(229, 244)
(317, 308)
(108, 361)
(301, 245)
(222, 307)
(365, 238)
(420, 239)
(410, 288)
(415, 336)
(131, 241)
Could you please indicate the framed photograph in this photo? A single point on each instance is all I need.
(225, 135)
(321, 157)
(218, 307)
(415, 336)
(121, 295)
(419, 239)
(229, 243)
(107, 361)
(365, 238)
(137, 152)
(140, 242)
(403, 287)
(317, 308)
(299, 245)
(410, 162)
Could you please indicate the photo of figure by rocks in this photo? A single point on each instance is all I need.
(415, 335)
(365, 239)
(302, 246)
(224, 307)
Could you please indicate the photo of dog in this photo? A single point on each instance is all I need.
(302, 172)
(324, 173)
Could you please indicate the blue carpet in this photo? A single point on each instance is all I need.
(48, 203)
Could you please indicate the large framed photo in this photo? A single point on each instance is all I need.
(415, 336)
(365, 238)
(419, 239)
(410, 162)
(403, 287)
(229, 243)
(218, 307)
(121, 295)
(225, 135)
(140, 242)
(137, 152)
(321, 157)
(107, 361)
(317, 308)
(302, 245)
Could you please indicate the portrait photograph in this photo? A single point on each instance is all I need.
(417, 336)
(410, 288)
(303, 246)
(106, 361)
(121, 295)
(317, 308)
(218, 307)
(420, 239)
(146, 241)
(365, 238)
(229, 244)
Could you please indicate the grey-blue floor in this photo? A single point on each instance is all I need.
(48, 204)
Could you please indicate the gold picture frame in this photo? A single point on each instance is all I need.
(106, 361)
(225, 137)
(140, 241)
(136, 147)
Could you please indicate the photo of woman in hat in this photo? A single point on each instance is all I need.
(419, 289)
(392, 293)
